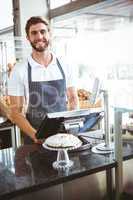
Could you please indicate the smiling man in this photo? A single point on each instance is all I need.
(44, 82)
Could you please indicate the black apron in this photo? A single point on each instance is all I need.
(44, 97)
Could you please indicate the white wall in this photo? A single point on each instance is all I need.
(6, 19)
(30, 8)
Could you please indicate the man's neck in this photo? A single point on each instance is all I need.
(43, 58)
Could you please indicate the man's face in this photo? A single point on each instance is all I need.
(39, 37)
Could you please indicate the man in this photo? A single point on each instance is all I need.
(42, 82)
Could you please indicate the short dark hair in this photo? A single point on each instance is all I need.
(35, 20)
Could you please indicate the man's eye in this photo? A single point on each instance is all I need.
(43, 31)
(34, 32)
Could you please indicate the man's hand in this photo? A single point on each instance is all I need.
(37, 141)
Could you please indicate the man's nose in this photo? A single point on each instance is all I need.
(39, 35)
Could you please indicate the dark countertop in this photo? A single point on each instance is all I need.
(29, 168)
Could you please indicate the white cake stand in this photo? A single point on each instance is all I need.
(63, 162)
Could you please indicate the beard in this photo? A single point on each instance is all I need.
(40, 48)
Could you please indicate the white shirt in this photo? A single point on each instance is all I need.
(18, 81)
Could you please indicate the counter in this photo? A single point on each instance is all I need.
(29, 168)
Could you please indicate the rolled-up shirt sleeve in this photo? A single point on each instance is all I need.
(15, 83)
(71, 78)
(71, 72)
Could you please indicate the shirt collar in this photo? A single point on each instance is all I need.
(33, 63)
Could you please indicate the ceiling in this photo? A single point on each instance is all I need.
(105, 16)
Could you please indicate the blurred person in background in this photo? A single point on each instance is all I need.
(10, 68)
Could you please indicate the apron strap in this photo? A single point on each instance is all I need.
(29, 73)
(61, 70)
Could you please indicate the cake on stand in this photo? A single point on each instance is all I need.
(61, 143)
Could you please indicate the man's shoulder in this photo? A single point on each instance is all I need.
(63, 62)
(21, 66)
(61, 59)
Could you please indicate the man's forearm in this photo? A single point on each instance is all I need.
(23, 124)
(73, 104)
